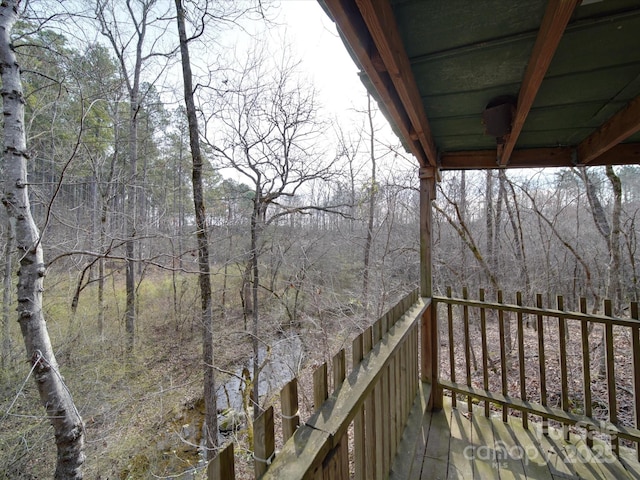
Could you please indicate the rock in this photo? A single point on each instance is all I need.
(230, 420)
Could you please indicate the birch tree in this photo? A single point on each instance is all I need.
(54, 394)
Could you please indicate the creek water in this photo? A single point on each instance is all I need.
(283, 360)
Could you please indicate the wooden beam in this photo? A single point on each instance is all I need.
(378, 15)
(554, 23)
(622, 154)
(615, 130)
(348, 19)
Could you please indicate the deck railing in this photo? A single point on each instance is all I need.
(573, 368)
(372, 400)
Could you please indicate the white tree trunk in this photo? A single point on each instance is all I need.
(54, 395)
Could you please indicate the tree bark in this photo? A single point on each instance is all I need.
(54, 394)
(614, 290)
(210, 430)
(6, 294)
(371, 213)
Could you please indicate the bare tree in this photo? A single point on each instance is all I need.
(54, 394)
(210, 429)
(127, 46)
(267, 133)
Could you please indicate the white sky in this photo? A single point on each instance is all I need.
(314, 40)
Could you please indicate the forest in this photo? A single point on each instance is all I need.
(203, 228)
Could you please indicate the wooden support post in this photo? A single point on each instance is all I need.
(429, 327)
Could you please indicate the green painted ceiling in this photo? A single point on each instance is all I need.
(463, 53)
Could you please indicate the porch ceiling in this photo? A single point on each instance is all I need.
(572, 68)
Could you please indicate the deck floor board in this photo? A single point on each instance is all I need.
(454, 444)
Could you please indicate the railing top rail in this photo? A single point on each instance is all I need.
(548, 312)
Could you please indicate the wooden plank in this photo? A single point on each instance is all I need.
(629, 459)
(369, 417)
(378, 15)
(339, 369)
(553, 451)
(608, 461)
(635, 342)
(483, 445)
(503, 359)
(398, 395)
(611, 377)
(460, 462)
(385, 414)
(508, 453)
(407, 462)
(467, 345)
(320, 386)
(587, 465)
(586, 368)
(222, 467)
(623, 154)
(359, 438)
(436, 455)
(536, 464)
(521, 365)
(264, 442)
(289, 405)
(336, 464)
(615, 130)
(485, 351)
(542, 363)
(554, 22)
(562, 344)
(395, 432)
(452, 356)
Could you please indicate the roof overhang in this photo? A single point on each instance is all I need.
(574, 68)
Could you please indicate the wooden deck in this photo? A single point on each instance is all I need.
(453, 444)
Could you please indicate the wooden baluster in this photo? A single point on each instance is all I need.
(339, 369)
(369, 414)
(485, 352)
(503, 358)
(394, 420)
(562, 345)
(467, 346)
(523, 386)
(542, 363)
(611, 377)
(264, 442)
(635, 335)
(320, 386)
(452, 358)
(586, 368)
(222, 467)
(289, 405)
(399, 396)
(359, 438)
(386, 418)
